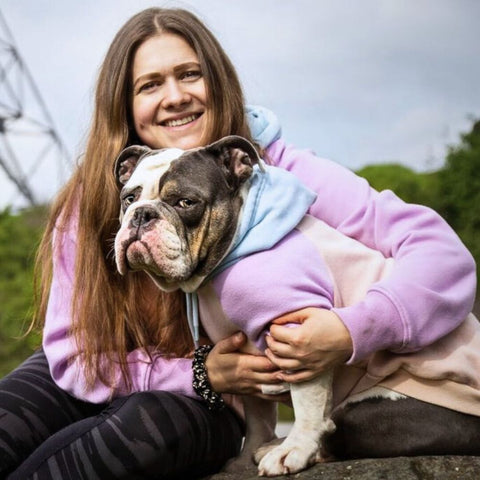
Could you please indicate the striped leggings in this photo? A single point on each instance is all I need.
(47, 434)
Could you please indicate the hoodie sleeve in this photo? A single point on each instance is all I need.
(432, 286)
(148, 372)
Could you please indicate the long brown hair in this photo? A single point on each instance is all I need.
(114, 314)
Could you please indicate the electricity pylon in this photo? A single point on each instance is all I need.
(28, 139)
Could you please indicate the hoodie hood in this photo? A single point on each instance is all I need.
(264, 125)
(275, 204)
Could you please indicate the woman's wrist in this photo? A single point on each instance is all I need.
(201, 383)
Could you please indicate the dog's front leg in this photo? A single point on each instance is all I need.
(260, 420)
(312, 402)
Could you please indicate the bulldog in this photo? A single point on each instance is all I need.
(193, 220)
(180, 212)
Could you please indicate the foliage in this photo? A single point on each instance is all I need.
(459, 193)
(19, 236)
(408, 185)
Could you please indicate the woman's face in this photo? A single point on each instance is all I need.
(169, 95)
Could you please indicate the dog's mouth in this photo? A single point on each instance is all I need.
(164, 259)
(131, 254)
(180, 122)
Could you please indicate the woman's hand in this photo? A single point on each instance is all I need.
(232, 371)
(320, 341)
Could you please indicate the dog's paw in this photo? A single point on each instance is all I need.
(265, 448)
(289, 458)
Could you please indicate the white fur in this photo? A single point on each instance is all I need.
(150, 169)
(374, 392)
(312, 403)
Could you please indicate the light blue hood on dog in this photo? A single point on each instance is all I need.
(275, 204)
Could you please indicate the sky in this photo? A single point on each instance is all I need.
(359, 82)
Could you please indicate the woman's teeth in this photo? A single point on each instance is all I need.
(180, 121)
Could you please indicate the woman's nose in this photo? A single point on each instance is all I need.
(174, 94)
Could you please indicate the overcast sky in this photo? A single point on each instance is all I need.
(360, 82)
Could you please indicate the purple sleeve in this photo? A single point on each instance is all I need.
(432, 286)
(268, 284)
(147, 372)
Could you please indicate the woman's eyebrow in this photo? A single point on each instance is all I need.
(177, 68)
(185, 66)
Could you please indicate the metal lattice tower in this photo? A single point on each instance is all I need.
(29, 143)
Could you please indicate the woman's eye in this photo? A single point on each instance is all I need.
(148, 86)
(191, 75)
(185, 203)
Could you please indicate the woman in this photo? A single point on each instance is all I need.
(116, 365)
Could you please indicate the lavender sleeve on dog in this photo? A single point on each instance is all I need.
(267, 284)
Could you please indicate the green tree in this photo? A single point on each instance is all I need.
(408, 185)
(19, 235)
(458, 197)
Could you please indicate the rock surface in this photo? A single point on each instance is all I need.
(401, 468)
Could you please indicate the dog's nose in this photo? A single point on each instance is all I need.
(143, 216)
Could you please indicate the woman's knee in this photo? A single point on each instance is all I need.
(184, 434)
(173, 418)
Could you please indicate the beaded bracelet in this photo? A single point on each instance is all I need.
(200, 383)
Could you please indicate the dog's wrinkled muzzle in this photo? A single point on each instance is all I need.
(147, 240)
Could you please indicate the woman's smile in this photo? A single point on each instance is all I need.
(181, 121)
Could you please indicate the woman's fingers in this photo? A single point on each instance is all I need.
(299, 376)
(231, 343)
(298, 316)
(282, 334)
(280, 342)
(232, 371)
(286, 363)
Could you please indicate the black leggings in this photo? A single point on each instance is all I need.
(47, 434)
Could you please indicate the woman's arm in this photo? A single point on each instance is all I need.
(432, 286)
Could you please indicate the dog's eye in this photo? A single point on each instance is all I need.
(185, 203)
(128, 200)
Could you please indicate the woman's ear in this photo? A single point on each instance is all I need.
(127, 161)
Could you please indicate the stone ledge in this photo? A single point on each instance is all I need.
(401, 468)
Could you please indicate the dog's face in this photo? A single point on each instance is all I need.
(180, 209)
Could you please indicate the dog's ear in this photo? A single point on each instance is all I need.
(235, 156)
(127, 161)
